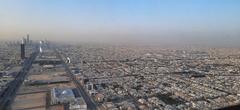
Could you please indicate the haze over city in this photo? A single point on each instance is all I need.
(173, 22)
(119, 54)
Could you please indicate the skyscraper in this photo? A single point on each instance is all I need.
(22, 50)
(28, 40)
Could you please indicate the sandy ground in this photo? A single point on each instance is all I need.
(35, 101)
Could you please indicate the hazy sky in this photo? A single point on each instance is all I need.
(149, 21)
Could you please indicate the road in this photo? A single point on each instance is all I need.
(90, 103)
(9, 94)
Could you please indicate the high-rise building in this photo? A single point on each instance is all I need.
(22, 50)
(40, 49)
(28, 40)
(40, 46)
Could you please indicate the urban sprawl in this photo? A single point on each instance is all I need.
(49, 76)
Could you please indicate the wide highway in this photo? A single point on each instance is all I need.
(90, 102)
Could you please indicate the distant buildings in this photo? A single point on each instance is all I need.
(164, 79)
(130, 78)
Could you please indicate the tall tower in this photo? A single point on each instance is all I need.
(28, 39)
(40, 46)
(22, 50)
(40, 49)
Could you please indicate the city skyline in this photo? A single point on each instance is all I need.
(119, 55)
(138, 21)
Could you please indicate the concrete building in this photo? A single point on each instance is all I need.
(68, 96)
(59, 96)
(22, 50)
(78, 104)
